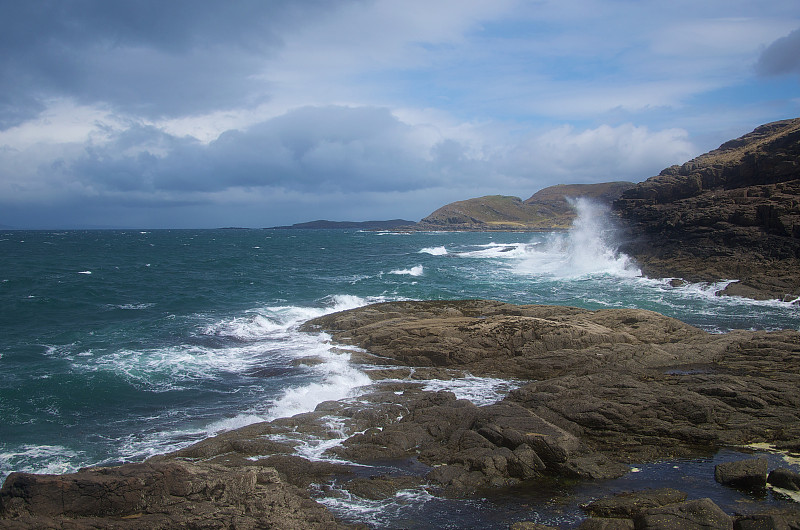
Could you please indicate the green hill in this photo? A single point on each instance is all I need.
(547, 209)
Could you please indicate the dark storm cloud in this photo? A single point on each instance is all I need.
(309, 149)
(149, 57)
(782, 56)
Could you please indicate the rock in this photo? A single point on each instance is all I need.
(382, 487)
(160, 495)
(597, 523)
(747, 474)
(784, 478)
(649, 400)
(728, 214)
(689, 515)
(631, 504)
(604, 389)
(528, 525)
(772, 519)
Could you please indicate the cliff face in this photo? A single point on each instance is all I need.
(732, 213)
(548, 209)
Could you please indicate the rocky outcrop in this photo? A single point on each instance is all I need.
(732, 213)
(547, 209)
(596, 392)
(159, 495)
(658, 387)
(667, 509)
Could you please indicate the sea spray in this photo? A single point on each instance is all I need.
(587, 249)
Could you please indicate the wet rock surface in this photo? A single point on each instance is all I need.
(597, 392)
(159, 495)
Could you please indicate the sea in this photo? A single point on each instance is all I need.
(117, 345)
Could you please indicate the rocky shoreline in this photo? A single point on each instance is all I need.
(731, 213)
(597, 393)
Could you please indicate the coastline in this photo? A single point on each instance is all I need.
(662, 391)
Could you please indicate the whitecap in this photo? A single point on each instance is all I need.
(85, 272)
(417, 270)
(498, 250)
(131, 306)
(434, 251)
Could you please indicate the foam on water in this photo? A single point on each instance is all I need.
(478, 390)
(50, 459)
(498, 250)
(339, 380)
(434, 251)
(377, 513)
(416, 270)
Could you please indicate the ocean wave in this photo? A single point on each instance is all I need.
(416, 270)
(339, 380)
(47, 459)
(498, 250)
(434, 251)
(130, 306)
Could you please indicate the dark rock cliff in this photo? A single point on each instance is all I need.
(732, 213)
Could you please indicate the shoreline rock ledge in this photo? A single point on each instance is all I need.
(732, 213)
(596, 393)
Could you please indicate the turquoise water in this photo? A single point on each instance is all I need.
(117, 345)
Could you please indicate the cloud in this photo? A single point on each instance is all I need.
(366, 105)
(146, 57)
(360, 156)
(781, 57)
(312, 149)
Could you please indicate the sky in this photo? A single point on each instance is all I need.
(257, 113)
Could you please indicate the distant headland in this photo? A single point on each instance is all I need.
(732, 213)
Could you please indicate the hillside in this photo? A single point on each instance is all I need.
(732, 213)
(547, 209)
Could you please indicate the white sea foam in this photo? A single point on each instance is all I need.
(416, 270)
(264, 337)
(49, 459)
(339, 380)
(498, 250)
(478, 390)
(434, 251)
(85, 272)
(376, 513)
(236, 422)
(587, 249)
